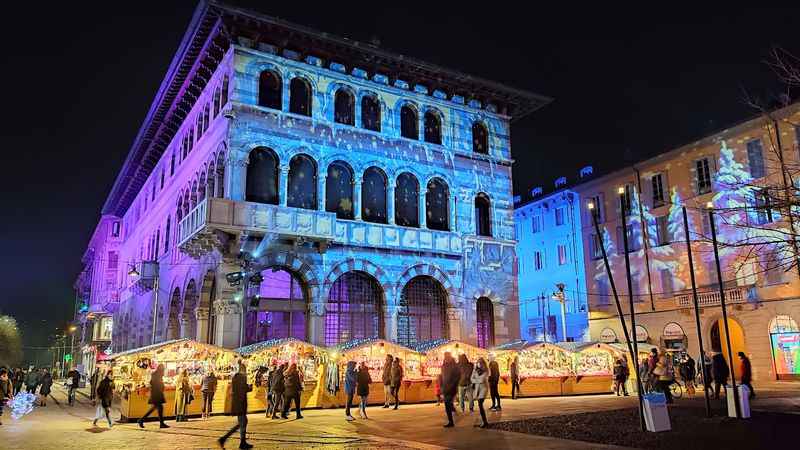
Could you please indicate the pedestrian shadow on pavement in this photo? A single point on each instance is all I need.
(97, 430)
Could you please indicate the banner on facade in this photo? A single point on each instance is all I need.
(608, 336)
(786, 355)
(641, 334)
(673, 330)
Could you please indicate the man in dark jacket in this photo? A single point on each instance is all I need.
(465, 383)
(293, 385)
(515, 378)
(75, 378)
(32, 381)
(397, 380)
(386, 377)
(720, 371)
(450, 378)
(494, 380)
(6, 391)
(276, 389)
(156, 397)
(746, 371)
(239, 388)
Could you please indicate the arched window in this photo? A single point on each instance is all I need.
(173, 326)
(406, 201)
(483, 214)
(480, 138)
(433, 128)
(409, 124)
(206, 117)
(167, 235)
(172, 165)
(262, 176)
(217, 101)
(300, 97)
(302, 186)
(373, 196)
(220, 175)
(270, 90)
(354, 309)
(190, 300)
(280, 310)
(437, 197)
(211, 192)
(783, 324)
(201, 188)
(344, 107)
(179, 209)
(423, 312)
(339, 190)
(225, 86)
(371, 113)
(485, 322)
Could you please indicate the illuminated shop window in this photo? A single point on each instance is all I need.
(409, 124)
(371, 113)
(433, 128)
(262, 176)
(480, 138)
(339, 190)
(436, 205)
(344, 107)
(354, 309)
(270, 90)
(406, 201)
(300, 97)
(423, 312)
(373, 196)
(485, 322)
(302, 187)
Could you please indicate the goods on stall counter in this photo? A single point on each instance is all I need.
(332, 379)
(372, 352)
(594, 362)
(544, 363)
(306, 356)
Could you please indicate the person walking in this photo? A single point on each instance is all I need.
(465, 383)
(494, 380)
(6, 391)
(350, 382)
(182, 392)
(720, 371)
(386, 377)
(46, 384)
(105, 395)
(208, 387)
(746, 371)
(156, 400)
(480, 381)
(644, 375)
(619, 377)
(450, 379)
(293, 389)
(32, 380)
(514, 378)
(269, 400)
(239, 390)
(363, 380)
(652, 361)
(93, 381)
(73, 380)
(278, 388)
(438, 389)
(397, 381)
(19, 380)
(665, 373)
(688, 373)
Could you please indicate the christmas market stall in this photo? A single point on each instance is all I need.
(311, 364)
(373, 352)
(593, 368)
(542, 367)
(434, 357)
(132, 369)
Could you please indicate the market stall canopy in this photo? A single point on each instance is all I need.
(643, 347)
(308, 357)
(373, 351)
(513, 346)
(274, 343)
(434, 354)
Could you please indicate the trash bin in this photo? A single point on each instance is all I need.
(656, 416)
(744, 401)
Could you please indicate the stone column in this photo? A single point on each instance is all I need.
(283, 185)
(454, 322)
(237, 172)
(185, 324)
(228, 321)
(423, 211)
(201, 314)
(390, 201)
(316, 323)
(323, 182)
(452, 210)
(357, 199)
(390, 322)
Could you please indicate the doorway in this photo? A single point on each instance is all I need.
(719, 343)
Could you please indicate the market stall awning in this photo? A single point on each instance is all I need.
(251, 349)
(357, 344)
(146, 348)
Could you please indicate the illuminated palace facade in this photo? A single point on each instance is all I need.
(289, 183)
(761, 283)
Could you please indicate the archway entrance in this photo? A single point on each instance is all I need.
(719, 343)
(281, 308)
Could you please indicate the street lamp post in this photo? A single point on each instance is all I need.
(561, 297)
(72, 329)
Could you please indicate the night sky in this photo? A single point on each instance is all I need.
(78, 79)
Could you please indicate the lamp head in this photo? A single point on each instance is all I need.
(710, 205)
(620, 190)
(590, 205)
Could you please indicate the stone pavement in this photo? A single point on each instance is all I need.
(61, 427)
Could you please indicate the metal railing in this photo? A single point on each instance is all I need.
(739, 294)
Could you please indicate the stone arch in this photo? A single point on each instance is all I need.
(172, 326)
(301, 150)
(432, 271)
(361, 265)
(188, 308)
(293, 262)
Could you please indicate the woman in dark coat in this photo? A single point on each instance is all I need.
(239, 390)
(44, 391)
(363, 380)
(294, 387)
(450, 378)
(397, 380)
(156, 397)
(350, 381)
(277, 387)
(105, 393)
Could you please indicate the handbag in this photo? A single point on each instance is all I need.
(69, 382)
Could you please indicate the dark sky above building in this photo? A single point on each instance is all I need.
(79, 77)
